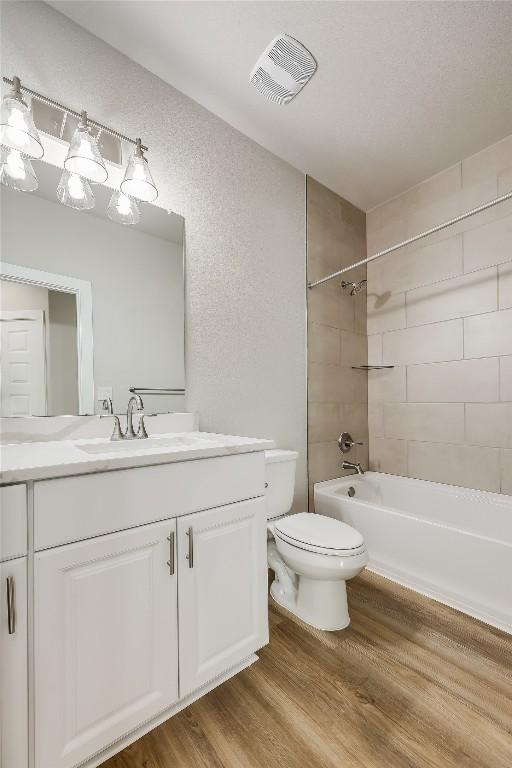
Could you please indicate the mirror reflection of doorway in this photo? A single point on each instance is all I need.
(23, 363)
(38, 350)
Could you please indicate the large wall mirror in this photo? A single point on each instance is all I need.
(88, 307)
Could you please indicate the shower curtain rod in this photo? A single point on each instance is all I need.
(414, 239)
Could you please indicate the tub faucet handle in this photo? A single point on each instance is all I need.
(346, 442)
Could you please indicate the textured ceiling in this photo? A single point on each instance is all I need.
(403, 89)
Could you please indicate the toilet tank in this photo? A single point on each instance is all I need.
(279, 481)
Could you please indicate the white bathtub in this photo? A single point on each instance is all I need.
(452, 544)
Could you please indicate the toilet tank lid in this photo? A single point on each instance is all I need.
(277, 454)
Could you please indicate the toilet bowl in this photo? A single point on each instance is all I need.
(312, 556)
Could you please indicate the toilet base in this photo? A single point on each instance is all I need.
(321, 604)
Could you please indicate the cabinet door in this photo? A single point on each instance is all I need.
(106, 646)
(13, 664)
(222, 586)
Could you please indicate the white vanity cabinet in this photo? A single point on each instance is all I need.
(13, 628)
(130, 624)
(222, 597)
(106, 640)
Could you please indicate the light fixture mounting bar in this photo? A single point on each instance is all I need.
(74, 113)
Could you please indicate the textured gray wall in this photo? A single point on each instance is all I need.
(245, 225)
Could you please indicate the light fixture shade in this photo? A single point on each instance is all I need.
(84, 158)
(123, 209)
(75, 192)
(17, 129)
(138, 182)
(16, 171)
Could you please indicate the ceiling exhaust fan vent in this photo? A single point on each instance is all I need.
(283, 69)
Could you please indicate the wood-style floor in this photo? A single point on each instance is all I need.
(410, 684)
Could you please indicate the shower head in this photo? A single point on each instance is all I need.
(355, 288)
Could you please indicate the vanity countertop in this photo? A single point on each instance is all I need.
(60, 458)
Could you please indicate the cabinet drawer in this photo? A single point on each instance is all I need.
(13, 521)
(74, 508)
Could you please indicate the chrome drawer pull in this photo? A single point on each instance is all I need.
(190, 556)
(170, 561)
(11, 606)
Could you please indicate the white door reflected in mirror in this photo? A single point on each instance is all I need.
(23, 362)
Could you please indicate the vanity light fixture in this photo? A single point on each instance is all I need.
(17, 129)
(75, 192)
(123, 209)
(83, 156)
(16, 171)
(19, 141)
(138, 182)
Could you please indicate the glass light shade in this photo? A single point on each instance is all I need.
(138, 182)
(17, 129)
(123, 209)
(75, 192)
(84, 158)
(16, 171)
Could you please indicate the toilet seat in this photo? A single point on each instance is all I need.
(320, 534)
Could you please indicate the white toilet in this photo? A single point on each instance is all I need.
(312, 556)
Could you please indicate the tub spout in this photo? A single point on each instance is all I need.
(358, 470)
(285, 582)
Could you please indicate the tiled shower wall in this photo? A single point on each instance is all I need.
(442, 315)
(337, 394)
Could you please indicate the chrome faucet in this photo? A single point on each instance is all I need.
(109, 408)
(135, 403)
(358, 470)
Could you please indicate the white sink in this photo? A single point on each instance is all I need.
(148, 444)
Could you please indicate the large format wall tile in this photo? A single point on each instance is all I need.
(466, 465)
(488, 245)
(489, 424)
(459, 297)
(414, 267)
(376, 419)
(460, 381)
(506, 378)
(375, 349)
(324, 461)
(488, 335)
(323, 422)
(445, 412)
(387, 386)
(337, 394)
(505, 285)
(434, 343)
(388, 455)
(386, 311)
(328, 309)
(433, 422)
(354, 349)
(506, 472)
(324, 344)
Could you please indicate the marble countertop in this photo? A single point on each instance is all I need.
(60, 458)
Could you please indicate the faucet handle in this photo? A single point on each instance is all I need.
(346, 443)
(117, 433)
(141, 431)
(108, 406)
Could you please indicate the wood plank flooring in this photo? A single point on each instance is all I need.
(410, 684)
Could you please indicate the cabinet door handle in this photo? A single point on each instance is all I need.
(190, 556)
(170, 561)
(11, 606)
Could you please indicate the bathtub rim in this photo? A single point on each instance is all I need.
(404, 578)
(502, 499)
